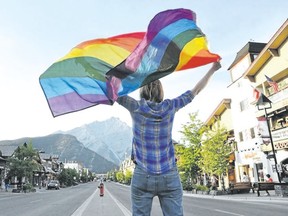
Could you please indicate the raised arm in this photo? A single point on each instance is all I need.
(203, 82)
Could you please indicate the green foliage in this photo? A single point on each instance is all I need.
(204, 151)
(201, 187)
(193, 130)
(185, 180)
(120, 176)
(28, 187)
(84, 177)
(215, 151)
(128, 176)
(24, 161)
(68, 177)
(189, 154)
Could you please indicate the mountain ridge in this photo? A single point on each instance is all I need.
(101, 145)
(111, 138)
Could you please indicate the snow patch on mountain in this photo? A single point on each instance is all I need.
(111, 138)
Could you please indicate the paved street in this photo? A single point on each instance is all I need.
(84, 200)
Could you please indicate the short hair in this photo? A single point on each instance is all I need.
(268, 176)
(152, 92)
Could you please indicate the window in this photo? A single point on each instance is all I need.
(252, 133)
(254, 56)
(244, 105)
(240, 136)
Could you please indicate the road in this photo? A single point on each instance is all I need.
(84, 200)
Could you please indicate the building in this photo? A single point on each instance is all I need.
(245, 124)
(269, 74)
(221, 116)
(127, 165)
(74, 165)
(51, 168)
(6, 152)
(248, 74)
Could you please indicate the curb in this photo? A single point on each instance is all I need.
(251, 197)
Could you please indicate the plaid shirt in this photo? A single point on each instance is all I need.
(152, 145)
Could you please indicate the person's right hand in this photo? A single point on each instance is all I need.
(216, 66)
(203, 82)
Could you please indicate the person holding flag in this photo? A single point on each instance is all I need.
(156, 172)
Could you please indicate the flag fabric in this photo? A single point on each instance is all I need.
(273, 84)
(77, 81)
(256, 94)
(99, 71)
(173, 42)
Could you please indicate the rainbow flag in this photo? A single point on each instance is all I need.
(78, 80)
(173, 42)
(99, 71)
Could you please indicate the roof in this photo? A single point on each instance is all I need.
(250, 47)
(223, 105)
(7, 150)
(275, 42)
(45, 156)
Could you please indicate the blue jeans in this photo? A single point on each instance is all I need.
(166, 186)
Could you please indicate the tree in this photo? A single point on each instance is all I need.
(190, 152)
(24, 161)
(128, 176)
(84, 177)
(215, 151)
(68, 177)
(120, 176)
(112, 175)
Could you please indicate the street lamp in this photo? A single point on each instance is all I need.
(264, 103)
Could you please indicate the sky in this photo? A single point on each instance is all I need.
(34, 34)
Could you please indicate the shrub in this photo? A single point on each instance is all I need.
(28, 188)
(201, 188)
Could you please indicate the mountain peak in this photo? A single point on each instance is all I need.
(110, 138)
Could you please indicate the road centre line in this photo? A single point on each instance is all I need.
(84, 205)
(226, 212)
(124, 210)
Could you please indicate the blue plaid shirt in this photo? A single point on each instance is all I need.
(152, 145)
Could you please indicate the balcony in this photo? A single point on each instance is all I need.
(280, 98)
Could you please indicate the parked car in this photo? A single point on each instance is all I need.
(53, 184)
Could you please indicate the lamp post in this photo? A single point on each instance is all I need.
(264, 103)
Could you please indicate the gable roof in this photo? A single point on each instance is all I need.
(250, 47)
(7, 150)
(275, 42)
(223, 105)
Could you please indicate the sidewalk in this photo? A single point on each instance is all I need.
(241, 196)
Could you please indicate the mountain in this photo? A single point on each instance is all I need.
(68, 148)
(110, 138)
